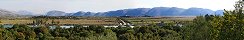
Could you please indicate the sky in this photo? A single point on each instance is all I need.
(43, 6)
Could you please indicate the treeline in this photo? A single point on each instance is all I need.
(230, 26)
(23, 32)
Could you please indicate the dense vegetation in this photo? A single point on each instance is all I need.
(230, 26)
(23, 32)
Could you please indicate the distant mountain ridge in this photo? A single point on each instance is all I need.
(157, 11)
(25, 13)
(6, 13)
(56, 13)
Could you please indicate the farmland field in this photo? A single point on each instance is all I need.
(90, 21)
(101, 20)
(153, 20)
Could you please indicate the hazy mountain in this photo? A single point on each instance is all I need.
(25, 13)
(137, 12)
(99, 14)
(165, 11)
(56, 13)
(115, 13)
(162, 11)
(6, 13)
(157, 11)
(129, 12)
(196, 12)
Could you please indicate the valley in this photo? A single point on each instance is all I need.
(87, 21)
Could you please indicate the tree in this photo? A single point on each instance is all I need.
(232, 26)
(52, 22)
(20, 36)
(227, 27)
(199, 29)
(40, 21)
(8, 35)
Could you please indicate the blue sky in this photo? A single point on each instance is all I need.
(42, 6)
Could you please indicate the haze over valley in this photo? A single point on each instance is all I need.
(156, 11)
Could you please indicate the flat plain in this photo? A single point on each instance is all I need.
(101, 20)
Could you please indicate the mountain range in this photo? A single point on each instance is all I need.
(157, 11)
(6, 13)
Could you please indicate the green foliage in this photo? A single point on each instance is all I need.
(199, 29)
(227, 27)
(230, 26)
(23, 32)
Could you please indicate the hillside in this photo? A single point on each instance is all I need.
(6, 13)
(157, 11)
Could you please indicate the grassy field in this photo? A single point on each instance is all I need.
(91, 21)
(153, 20)
(102, 20)
(5, 21)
